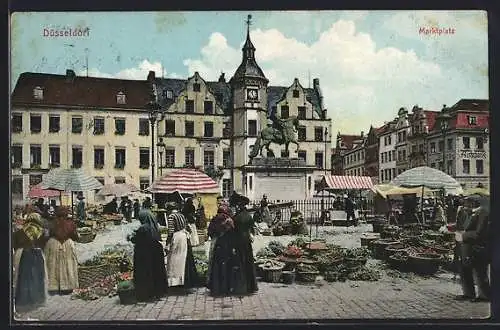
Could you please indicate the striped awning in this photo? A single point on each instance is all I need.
(71, 179)
(184, 180)
(38, 192)
(339, 182)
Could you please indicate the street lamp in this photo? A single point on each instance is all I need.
(323, 209)
(161, 149)
(154, 115)
(444, 119)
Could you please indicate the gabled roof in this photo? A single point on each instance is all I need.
(349, 141)
(88, 92)
(471, 105)
(275, 94)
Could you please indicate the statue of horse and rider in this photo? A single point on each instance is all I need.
(282, 132)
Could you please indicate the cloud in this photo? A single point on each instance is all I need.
(138, 73)
(362, 84)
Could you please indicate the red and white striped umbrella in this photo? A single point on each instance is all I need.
(184, 180)
(337, 182)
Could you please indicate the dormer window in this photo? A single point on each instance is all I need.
(38, 93)
(196, 87)
(120, 98)
(472, 120)
(168, 94)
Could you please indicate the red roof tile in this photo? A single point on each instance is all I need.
(349, 140)
(88, 92)
(431, 118)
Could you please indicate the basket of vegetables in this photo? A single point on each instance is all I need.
(272, 271)
(276, 247)
(395, 248)
(292, 252)
(379, 247)
(425, 263)
(390, 231)
(399, 261)
(356, 258)
(364, 274)
(85, 235)
(91, 271)
(307, 273)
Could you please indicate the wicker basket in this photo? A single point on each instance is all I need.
(307, 277)
(86, 237)
(87, 275)
(272, 275)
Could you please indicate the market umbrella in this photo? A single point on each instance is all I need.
(38, 192)
(184, 181)
(118, 189)
(72, 179)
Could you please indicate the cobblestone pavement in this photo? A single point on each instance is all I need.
(430, 298)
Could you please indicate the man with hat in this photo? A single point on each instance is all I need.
(349, 210)
(80, 209)
(473, 236)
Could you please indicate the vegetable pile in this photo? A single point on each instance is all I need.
(105, 287)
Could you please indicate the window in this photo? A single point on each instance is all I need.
(226, 158)
(318, 160)
(119, 180)
(440, 146)
(54, 124)
(35, 123)
(120, 98)
(466, 166)
(479, 143)
(449, 143)
(250, 182)
(35, 179)
(400, 137)
(120, 126)
(394, 154)
(143, 183)
(301, 113)
(35, 155)
(252, 127)
(389, 142)
(100, 179)
(77, 155)
(144, 158)
(433, 147)
(98, 126)
(472, 120)
(400, 156)
(404, 155)
(189, 157)
(17, 123)
(196, 87)
(382, 175)
(302, 154)
(120, 158)
(285, 112)
(208, 107)
(449, 167)
(318, 134)
(479, 166)
(170, 127)
(209, 129)
(309, 183)
(189, 106)
(98, 157)
(38, 93)
(143, 126)
(168, 94)
(17, 186)
(17, 156)
(170, 158)
(404, 136)
(390, 156)
(189, 128)
(226, 188)
(226, 129)
(466, 142)
(54, 156)
(208, 159)
(76, 125)
(302, 133)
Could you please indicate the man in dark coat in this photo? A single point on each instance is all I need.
(475, 254)
(137, 208)
(349, 210)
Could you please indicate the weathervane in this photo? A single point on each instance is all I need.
(249, 22)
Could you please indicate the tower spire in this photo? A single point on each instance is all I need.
(248, 22)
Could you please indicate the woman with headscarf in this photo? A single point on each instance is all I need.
(30, 278)
(201, 218)
(189, 212)
(221, 254)
(149, 259)
(244, 274)
(60, 255)
(439, 214)
(181, 268)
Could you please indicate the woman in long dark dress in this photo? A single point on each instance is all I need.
(244, 274)
(150, 278)
(221, 256)
(30, 278)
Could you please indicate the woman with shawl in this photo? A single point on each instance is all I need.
(244, 274)
(189, 212)
(30, 278)
(149, 259)
(62, 264)
(221, 255)
(181, 268)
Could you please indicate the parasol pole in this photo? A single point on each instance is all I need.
(422, 205)
(72, 212)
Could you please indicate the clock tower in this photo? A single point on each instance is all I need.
(249, 90)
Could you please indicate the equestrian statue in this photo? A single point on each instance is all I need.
(279, 131)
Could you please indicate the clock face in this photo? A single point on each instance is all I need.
(252, 94)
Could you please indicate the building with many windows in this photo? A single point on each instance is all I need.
(102, 125)
(387, 152)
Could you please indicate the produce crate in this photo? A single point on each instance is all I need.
(272, 275)
(88, 275)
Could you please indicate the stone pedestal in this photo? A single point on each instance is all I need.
(279, 179)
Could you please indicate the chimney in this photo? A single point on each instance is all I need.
(318, 91)
(222, 77)
(70, 75)
(362, 134)
(151, 76)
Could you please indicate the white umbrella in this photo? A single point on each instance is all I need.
(118, 189)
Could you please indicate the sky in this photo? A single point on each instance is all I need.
(369, 63)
